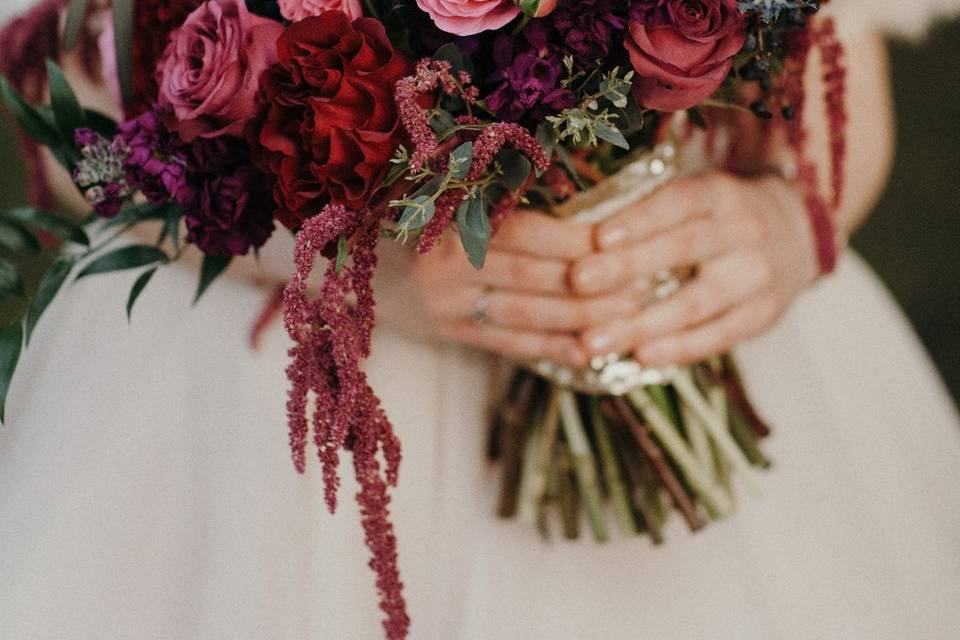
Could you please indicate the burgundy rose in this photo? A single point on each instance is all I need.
(682, 50)
(328, 124)
(231, 213)
(209, 73)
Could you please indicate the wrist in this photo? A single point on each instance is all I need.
(800, 246)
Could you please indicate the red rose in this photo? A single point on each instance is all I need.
(328, 123)
(682, 50)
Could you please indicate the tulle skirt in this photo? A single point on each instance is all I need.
(146, 491)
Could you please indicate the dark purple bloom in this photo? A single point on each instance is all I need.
(588, 30)
(156, 158)
(230, 212)
(529, 71)
(528, 78)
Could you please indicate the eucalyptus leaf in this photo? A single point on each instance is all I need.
(11, 345)
(473, 224)
(612, 135)
(460, 160)
(213, 267)
(50, 284)
(417, 217)
(129, 257)
(546, 137)
(452, 54)
(76, 16)
(67, 111)
(516, 168)
(27, 117)
(442, 121)
(138, 288)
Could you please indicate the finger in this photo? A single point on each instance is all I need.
(690, 243)
(717, 336)
(517, 344)
(665, 208)
(720, 284)
(524, 311)
(517, 272)
(538, 234)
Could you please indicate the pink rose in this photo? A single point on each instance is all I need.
(466, 17)
(682, 50)
(210, 71)
(296, 10)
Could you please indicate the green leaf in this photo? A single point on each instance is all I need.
(452, 54)
(47, 290)
(474, 228)
(102, 124)
(130, 257)
(142, 213)
(460, 160)
(11, 345)
(414, 218)
(213, 267)
(49, 222)
(516, 169)
(343, 252)
(442, 121)
(17, 239)
(529, 7)
(76, 16)
(27, 117)
(138, 288)
(612, 135)
(546, 137)
(123, 41)
(10, 283)
(66, 108)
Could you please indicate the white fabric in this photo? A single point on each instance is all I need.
(146, 492)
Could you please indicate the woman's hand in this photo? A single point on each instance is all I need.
(520, 304)
(750, 244)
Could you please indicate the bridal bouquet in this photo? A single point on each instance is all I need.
(349, 122)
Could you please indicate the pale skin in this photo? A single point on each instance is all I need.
(569, 291)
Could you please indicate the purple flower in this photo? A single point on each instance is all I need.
(528, 78)
(156, 158)
(588, 29)
(100, 173)
(230, 211)
(529, 70)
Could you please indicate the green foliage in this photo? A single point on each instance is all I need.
(138, 287)
(67, 112)
(76, 15)
(11, 345)
(50, 285)
(473, 225)
(130, 257)
(213, 267)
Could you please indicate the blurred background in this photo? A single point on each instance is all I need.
(912, 240)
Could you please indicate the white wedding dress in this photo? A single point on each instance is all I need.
(146, 491)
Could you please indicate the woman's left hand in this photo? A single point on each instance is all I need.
(752, 250)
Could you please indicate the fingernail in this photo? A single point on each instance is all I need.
(612, 236)
(599, 343)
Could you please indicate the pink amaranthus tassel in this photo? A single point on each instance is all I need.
(331, 339)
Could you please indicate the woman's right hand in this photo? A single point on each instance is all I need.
(520, 305)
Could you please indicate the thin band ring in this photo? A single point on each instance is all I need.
(480, 307)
